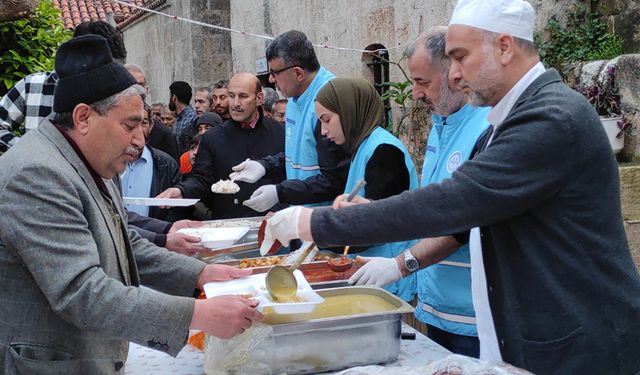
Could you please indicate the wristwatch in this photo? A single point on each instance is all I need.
(410, 262)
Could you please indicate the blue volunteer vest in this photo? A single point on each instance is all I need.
(444, 289)
(405, 288)
(300, 143)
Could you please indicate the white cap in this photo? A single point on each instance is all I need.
(514, 17)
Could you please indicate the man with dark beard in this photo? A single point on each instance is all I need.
(180, 97)
(220, 99)
(554, 286)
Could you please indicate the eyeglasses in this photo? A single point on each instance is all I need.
(156, 114)
(274, 73)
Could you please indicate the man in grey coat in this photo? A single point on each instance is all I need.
(70, 270)
(554, 287)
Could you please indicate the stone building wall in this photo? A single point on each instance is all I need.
(171, 50)
(355, 23)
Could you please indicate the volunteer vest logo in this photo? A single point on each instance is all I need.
(454, 161)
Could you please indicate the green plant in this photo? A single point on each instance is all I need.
(400, 93)
(28, 45)
(583, 37)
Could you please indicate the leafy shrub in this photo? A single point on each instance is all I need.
(583, 37)
(28, 45)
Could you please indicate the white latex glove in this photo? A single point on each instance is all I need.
(293, 256)
(248, 171)
(282, 226)
(263, 198)
(377, 271)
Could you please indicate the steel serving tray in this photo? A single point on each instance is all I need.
(326, 344)
(247, 246)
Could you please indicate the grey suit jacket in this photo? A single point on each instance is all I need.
(69, 306)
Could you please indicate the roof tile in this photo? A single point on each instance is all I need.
(73, 12)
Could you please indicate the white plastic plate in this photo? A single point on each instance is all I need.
(255, 287)
(174, 202)
(215, 238)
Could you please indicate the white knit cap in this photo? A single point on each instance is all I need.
(514, 17)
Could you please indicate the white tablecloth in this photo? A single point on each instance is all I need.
(143, 360)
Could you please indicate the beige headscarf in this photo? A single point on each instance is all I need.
(358, 104)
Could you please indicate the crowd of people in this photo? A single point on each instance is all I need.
(511, 243)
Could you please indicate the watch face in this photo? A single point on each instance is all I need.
(412, 265)
(410, 262)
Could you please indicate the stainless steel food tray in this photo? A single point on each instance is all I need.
(326, 344)
(247, 246)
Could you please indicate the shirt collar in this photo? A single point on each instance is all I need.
(96, 177)
(251, 124)
(497, 115)
(184, 112)
(146, 155)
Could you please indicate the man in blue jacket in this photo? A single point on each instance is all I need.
(313, 168)
(444, 289)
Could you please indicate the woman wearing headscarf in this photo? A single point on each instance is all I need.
(352, 115)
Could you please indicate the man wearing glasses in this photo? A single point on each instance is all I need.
(314, 169)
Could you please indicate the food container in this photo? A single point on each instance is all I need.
(247, 246)
(251, 222)
(214, 238)
(316, 272)
(314, 345)
(254, 287)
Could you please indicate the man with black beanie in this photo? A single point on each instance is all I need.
(70, 270)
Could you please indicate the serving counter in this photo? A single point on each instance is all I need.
(143, 360)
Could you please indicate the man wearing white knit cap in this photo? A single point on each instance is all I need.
(541, 295)
(555, 289)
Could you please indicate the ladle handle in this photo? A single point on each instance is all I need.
(294, 266)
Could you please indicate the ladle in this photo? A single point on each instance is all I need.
(280, 281)
(341, 264)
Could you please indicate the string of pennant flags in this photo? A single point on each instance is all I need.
(261, 36)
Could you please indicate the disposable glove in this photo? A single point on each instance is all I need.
(293, 256)
(263, 198)
(282, 226)
(248, 171)
(377, 271)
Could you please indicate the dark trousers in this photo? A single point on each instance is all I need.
(458, 344)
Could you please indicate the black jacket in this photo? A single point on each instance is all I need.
(334, 164)
(162, 139)
(223, 147)
(563, 289)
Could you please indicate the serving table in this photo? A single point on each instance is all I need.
(143, 360)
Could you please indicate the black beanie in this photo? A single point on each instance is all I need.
(209, 118)
(87, 73)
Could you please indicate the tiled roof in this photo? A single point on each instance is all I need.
(74, 12)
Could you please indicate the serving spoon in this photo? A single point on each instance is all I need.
(280, 280)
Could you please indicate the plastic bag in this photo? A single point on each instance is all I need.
(453, 364)
(248, 353)
(456, 364)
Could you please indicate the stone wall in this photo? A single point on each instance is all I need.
(171, 50)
